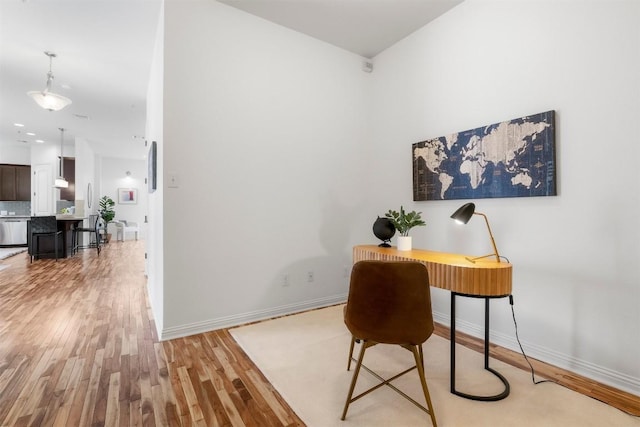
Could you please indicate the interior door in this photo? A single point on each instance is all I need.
(42, 185)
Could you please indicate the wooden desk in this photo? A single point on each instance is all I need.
(453, 272)
(483, 278)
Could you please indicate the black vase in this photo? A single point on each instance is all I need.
(384, 230)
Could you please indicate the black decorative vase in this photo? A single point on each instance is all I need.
(384, 230)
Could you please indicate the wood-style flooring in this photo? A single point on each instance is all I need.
(78, 347)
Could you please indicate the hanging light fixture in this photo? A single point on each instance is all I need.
(47, 99)
(60, 181)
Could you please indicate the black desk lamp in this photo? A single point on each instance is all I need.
(463, 215)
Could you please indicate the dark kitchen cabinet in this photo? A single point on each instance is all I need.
(69, 193)
(15, 182)
(7, 182)
(23, 183)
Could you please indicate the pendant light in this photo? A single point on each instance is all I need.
(60, 181)
(47, 99)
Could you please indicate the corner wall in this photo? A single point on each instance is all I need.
(154, 243)
(575, 256)
(264, 133)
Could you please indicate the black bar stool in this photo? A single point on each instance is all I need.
(94, 235)
(43, 226)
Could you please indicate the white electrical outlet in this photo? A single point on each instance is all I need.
(286, 280)
(310, 276)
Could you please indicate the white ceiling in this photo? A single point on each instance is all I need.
(104, 50)
(364, 27)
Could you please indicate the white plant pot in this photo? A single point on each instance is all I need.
(404, 243)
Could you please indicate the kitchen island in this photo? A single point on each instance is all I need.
(66, 224)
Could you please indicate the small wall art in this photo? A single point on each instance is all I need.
(127, 196)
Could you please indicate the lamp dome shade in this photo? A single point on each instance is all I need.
(464, 213)
(49, 100)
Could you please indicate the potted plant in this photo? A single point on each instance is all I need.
(107, 213)
(403, 222)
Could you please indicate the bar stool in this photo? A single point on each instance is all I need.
(43, 226)
(94, 235)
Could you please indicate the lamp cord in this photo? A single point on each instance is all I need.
(515, 324)
(533, 377)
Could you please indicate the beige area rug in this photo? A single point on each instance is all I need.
(7, 252)
(305, 356)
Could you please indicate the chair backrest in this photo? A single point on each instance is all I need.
(94, 220)
(389, 302)
(44, 224)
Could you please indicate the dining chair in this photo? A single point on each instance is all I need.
(389, 302)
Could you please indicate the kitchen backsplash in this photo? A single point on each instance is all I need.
(24, 208)
(20, 208)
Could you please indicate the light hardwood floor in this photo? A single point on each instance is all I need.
(78, 347)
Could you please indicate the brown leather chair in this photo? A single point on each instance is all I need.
(389, 303)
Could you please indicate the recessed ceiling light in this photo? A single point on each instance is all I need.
(81, 116)
(39, 141)
(20, 125)
(31, 134)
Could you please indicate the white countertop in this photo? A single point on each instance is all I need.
(69, 216)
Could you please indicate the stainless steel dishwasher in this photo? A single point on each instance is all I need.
(13, 231)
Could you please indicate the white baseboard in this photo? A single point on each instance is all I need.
(581, 367)
(243, 318)
(587, 369)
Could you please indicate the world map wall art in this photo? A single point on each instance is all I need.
(515, 158)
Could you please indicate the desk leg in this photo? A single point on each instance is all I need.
(506, 391)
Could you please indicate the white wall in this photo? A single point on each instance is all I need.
(15, 155)
(154, 132)
(575, 256)
(264, 129)
(113, 177)
(86, 201)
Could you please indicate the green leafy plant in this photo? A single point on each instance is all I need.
(106, 211)
(403, 222)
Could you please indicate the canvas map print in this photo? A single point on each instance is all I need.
(515, 158)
